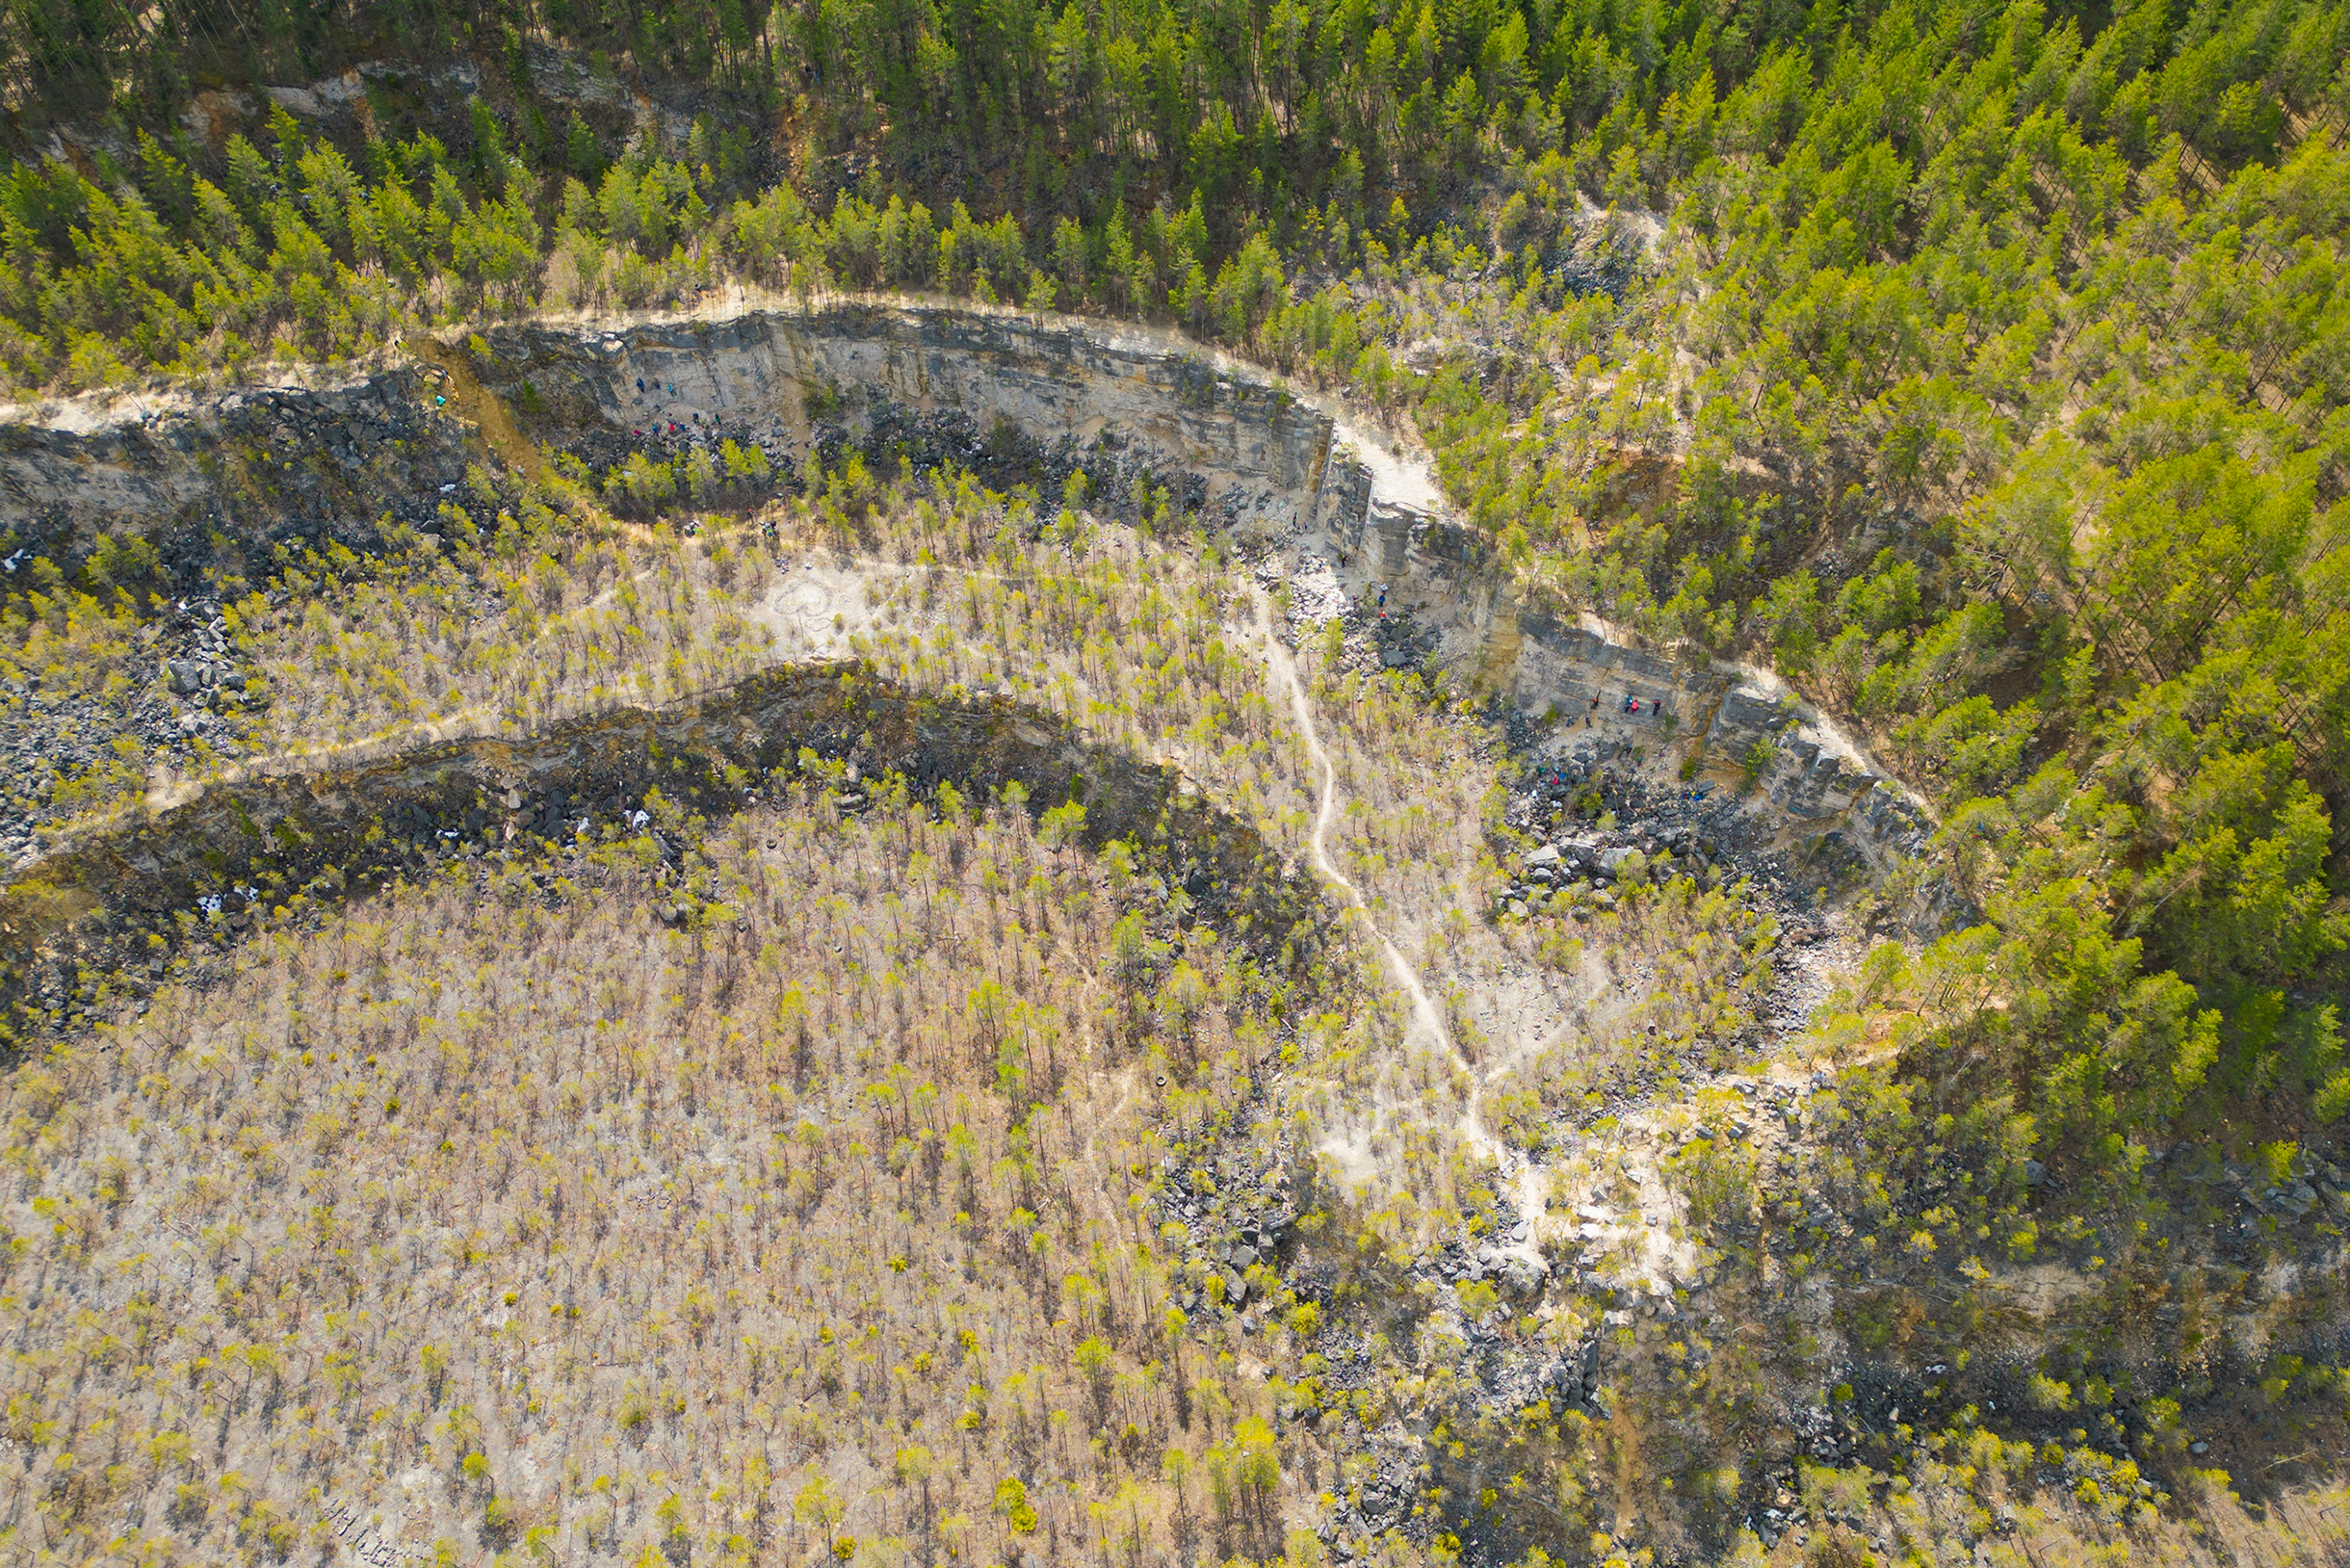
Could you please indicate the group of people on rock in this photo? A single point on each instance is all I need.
(692, 429)
(1632, 705)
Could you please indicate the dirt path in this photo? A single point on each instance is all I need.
(1522, 1178)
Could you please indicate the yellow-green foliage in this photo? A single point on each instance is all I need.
(476, 1191)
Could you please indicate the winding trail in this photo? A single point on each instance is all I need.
(1429, 1021)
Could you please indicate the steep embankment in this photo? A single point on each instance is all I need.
(1288, 477)
(217, 484)
(191, 877)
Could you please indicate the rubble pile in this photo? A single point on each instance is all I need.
(1119, 477)
(1401, 644)
(1234, 1212)
(54, 738)
(1600, 826)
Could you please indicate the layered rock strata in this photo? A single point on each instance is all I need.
(936, 384)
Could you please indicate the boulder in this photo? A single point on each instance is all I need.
(1522, 1275)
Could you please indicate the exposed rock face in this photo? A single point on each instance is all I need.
(251, 469)
(1256, 449)
(1573, 667)
(936, 382)
(464, 796)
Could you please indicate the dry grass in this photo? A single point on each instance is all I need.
(529, 612)
(503, 1219)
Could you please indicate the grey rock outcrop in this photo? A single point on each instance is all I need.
(96, 895)
(1256, 449)
(209, 479)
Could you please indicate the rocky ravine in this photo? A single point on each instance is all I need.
(1019, 399)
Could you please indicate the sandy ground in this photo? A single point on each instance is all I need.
(817, 605)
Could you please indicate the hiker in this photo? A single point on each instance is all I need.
(639, 386)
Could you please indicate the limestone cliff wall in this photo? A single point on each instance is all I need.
(231, 474)
(1256, 449)
(1553, 664)
(268, 464)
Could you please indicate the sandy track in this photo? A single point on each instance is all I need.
(1525, 1181)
